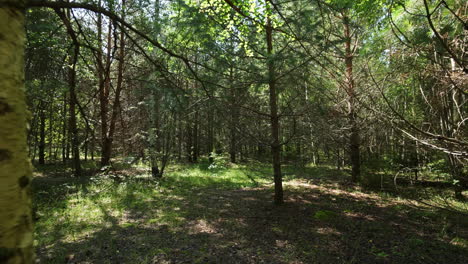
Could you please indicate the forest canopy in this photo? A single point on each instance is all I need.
(376, 89)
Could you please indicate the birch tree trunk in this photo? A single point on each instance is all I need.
(16, 232)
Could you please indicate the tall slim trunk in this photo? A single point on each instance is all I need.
(86, 143)
(154, 134)
(104, 90)
(32, 152)
(118, 90)
(64, 129)
(354, 139)
(196, 141)
(189, 137)
(233, 138)
(32, 136)
(73, 56)
(100, 73)
(16, 230)
(42, 118)
(210, 144)
(50, 130)
(93, 143)
(75, 144)
(179, 137)
(233, 126)
(274, 118)
(86, 149)
(104, 103)
(67, 150)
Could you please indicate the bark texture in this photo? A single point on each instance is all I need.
(274, 118)
(16, 232)
(354, 138)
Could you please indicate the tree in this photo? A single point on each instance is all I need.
(16, 232)
(275, 123)
(73, 59)
(424, 62)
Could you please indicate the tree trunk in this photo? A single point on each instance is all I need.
(93, 143)
(116, 106)
(196, 141)
(104, 89)
(64, 129)
(42, 135)
(16, 231)
(73, 56)
(75, 144)
(85, 150)
(274, 119)
(50, 130)
(234, 120)
(67, 149)
(179, 137)
(154, 133)
(188, 146)
(354, 139)
(210, 144)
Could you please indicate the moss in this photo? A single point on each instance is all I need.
(324, 215)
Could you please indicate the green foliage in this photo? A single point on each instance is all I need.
(219, 161)
(325, 215)
(379, 253)
(438, 166)
(72, 209)
(137, 218)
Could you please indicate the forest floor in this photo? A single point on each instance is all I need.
(200, 214)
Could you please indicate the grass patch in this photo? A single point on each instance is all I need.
(224, 214)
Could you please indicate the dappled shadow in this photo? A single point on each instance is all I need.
(317, 224)
(60, 169)
(56, 181)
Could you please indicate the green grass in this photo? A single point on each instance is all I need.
(224, 214)
(72, 209)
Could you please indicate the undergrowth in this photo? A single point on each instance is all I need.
(108, 217)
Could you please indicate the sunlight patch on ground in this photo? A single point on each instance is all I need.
(281, 243)
(201, 226)
(327, 231)
(299, 184)
(458, 241)
(360, 215)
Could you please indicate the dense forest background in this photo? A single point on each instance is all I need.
(365, 84)
(182, 119)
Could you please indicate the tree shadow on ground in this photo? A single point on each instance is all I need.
(317, 224)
